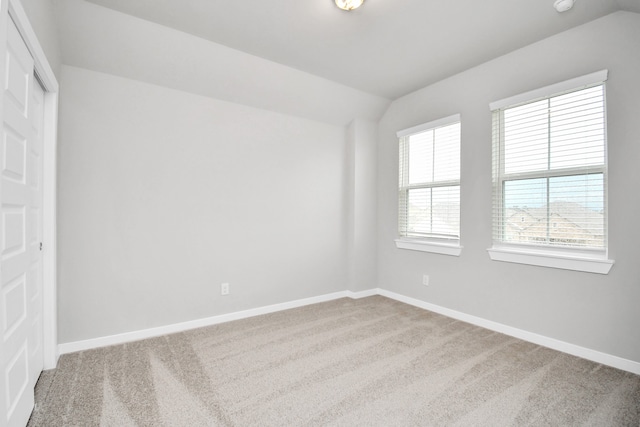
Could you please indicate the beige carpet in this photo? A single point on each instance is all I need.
(368, 362)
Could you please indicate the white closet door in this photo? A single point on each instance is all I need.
(20, 231)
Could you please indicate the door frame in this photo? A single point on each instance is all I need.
(12, 9)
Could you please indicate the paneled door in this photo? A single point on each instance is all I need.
(20, 233)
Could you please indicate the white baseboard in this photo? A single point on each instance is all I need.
(363, 294)
(126, 337)
(575, 350)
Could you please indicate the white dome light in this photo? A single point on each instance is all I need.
(349, 4)
(563, 5)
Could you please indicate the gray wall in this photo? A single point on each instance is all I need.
(149, 52)
(164, 195)
(362, 216)
(590, 310)
(41, 15)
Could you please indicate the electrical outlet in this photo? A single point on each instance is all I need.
(224, 289)
(425, 280)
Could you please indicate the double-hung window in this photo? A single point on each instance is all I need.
(429, 187)
(550, 176)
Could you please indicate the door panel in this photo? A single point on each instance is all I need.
(13, 222)
(17, 384)
(18, 201)
(15, 304)
(15, 149)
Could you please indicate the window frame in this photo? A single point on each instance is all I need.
(433, 244)
(591, 260)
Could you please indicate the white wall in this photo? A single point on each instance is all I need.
(164, 195)
(594, 311)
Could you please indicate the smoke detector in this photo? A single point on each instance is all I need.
(563, 5)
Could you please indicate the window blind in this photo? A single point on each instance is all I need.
(429, 181)
(550, 171)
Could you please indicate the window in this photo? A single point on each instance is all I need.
(549, 174)
(429, 187)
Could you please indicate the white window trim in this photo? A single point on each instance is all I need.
(450, 247)
(576, 260)
(455, 118)
(423, 245)
(550, 258)
(547, 91)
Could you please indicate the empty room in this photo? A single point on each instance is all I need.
(320, 213)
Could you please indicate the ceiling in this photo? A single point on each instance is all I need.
(387, 47)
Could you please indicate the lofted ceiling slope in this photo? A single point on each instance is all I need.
(387, 47)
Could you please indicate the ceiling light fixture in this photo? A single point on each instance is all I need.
(563, 5)
(349, 4)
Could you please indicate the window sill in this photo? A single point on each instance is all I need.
(590, 263)
(453, 249)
